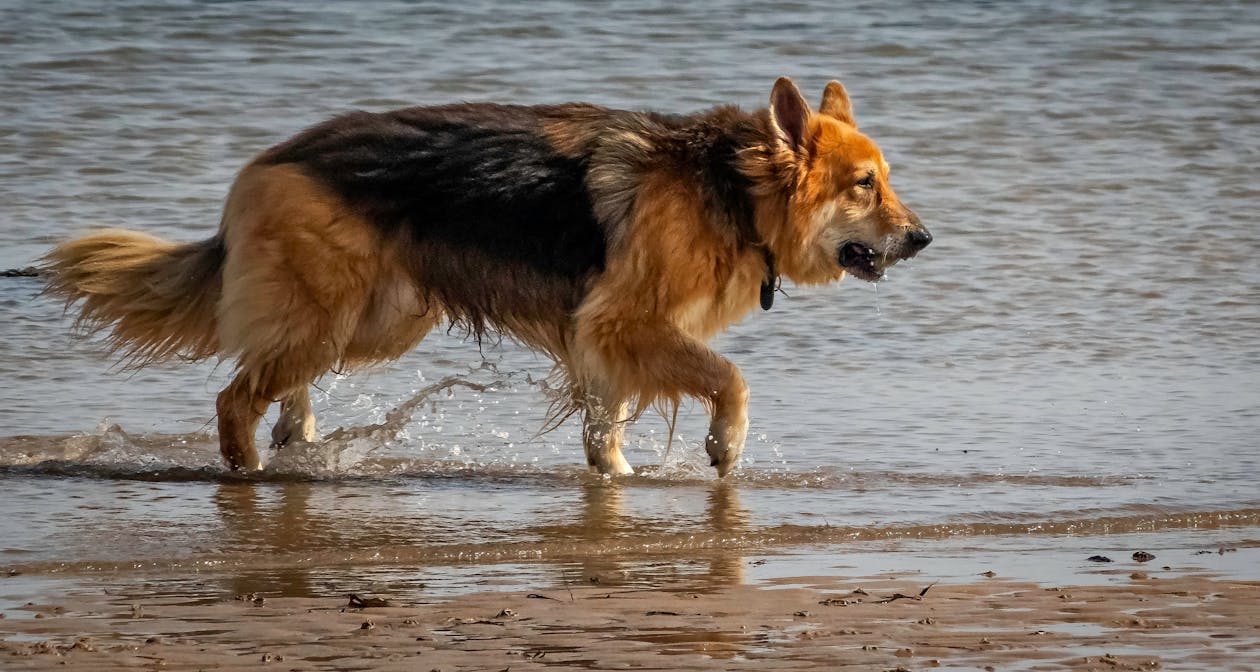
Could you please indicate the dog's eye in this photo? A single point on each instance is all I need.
(867, 182)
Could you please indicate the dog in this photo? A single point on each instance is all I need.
(615, 242)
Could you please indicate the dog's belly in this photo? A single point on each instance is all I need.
(394, 321)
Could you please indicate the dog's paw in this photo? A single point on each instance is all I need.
(724, 444)
(620, 467)
(291, 430)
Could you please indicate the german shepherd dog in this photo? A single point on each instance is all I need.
(614, 242)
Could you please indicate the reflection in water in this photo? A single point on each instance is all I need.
(725, 511)
(249, 523)
(603, 519)
(300, 537)
(285, 539)
(732, 520)
(605, 524)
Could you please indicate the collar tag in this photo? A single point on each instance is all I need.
(771, 283)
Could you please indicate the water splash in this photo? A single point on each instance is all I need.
(398, 417)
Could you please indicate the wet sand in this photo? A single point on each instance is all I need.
(1141, 620)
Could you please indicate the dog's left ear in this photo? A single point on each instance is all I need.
(835, 103)
(790, 114)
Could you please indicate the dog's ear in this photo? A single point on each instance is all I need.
(835, 103)
(790, 114)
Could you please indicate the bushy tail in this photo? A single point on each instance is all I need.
(157, 298)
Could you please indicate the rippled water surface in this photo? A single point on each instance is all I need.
(1077, 353)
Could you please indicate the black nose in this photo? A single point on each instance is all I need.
(918, 239)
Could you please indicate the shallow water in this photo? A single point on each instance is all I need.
(1075, 354)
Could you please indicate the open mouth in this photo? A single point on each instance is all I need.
(862, 261)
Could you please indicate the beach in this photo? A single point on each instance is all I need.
(1133, 619)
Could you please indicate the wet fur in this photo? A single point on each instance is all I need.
(616, 242)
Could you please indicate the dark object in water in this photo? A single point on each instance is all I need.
(1143, 556)
(903, 596)
(1098, 558)
(357, 602)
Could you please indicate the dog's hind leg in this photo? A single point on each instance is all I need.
(298, 273)
(603, 429)
(242, 404)
(238, 413)
(297, 421)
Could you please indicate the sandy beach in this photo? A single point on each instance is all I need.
(1140, 620)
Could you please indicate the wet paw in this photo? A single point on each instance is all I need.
(285, 433)
(725, 447)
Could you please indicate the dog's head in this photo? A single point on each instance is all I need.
(841, 214)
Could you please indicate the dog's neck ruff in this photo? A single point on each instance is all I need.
(771, 282)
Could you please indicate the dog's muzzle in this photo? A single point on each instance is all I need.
(866, 263)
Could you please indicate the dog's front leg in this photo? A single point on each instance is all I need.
(603, 427)
(651, 360)
(729, 427)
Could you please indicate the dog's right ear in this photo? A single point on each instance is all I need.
(790, 114)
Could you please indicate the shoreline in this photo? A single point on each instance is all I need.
(917, 608)
(1190, 622)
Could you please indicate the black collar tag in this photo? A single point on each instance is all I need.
(770, 283)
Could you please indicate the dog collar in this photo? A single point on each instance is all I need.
(771, 281)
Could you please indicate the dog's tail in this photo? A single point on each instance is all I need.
(158, 299)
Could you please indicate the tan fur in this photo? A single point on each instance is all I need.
(308, 286)
(673, 282)
(299, 285)
(298, 282)
(646, 344)
(157, 298)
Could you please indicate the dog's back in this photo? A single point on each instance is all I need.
(476, 179)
